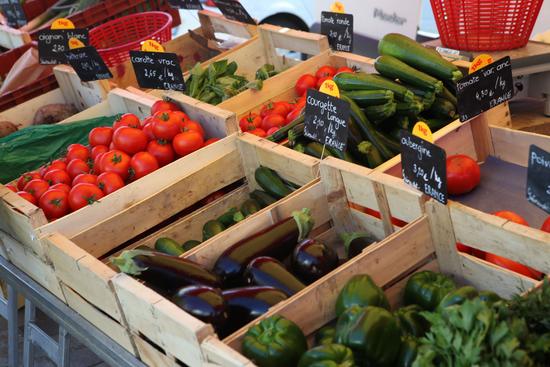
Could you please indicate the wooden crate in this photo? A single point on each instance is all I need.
(427, 243)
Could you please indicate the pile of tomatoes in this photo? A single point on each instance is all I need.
(115, 156)
(274, 115)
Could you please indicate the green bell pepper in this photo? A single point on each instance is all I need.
(325, 335)
(372, 333)
(408, 352)
(330, 355)
(274, 342)
(360, 290)
(458, 296)
(411, 321)
(427, 289)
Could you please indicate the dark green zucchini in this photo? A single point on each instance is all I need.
(212, 228)
(381, 112)
(316, 150)
(394, 68)
(345, 155)
(250, 207)
(364, 81)
(371, 154)
(448, 95)
(262, 197)
(442, 109)
(436, 124)
(188, 245)
(231, 217)
(409, 108)
(390, 142)
(270, 181)
(282, 133)
(366, 98)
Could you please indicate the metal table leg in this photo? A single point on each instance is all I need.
(12, 327)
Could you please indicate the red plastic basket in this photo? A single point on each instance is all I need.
(115, 38)
(485, 25)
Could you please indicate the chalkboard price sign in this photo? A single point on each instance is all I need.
(186, 4)
(157, 70)
(14, 13)
(486, 88)
(326, 119)
(234, 10)
(338, 28)
(538, 178)
(88, 64)
(53, 43)
(424, 166)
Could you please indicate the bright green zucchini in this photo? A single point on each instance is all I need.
(366, 98)
(394, 68)
(381, 112)
(168, 246)
(364, 81)
(231, 217)
(270, 181)
(212, 228)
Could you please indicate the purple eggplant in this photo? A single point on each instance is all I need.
(248, 303)
(312, 260)
(356, 242)
(277, 241)
(268, 271)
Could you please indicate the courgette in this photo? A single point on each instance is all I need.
(212, 228)
(394, 68)
(448, 95)
(390, 142)
(168, 246)
(316, 150)
(282, 133)
(409, 108)
(263, 198)
(270, 182)
(366, 98)
(295, 134)
(231, 217)
(250, 207)
(442, 109)
(364, 81)
(418, 56)
(372, 154)
(381, 112)
(436, 124)
(188, 245)
(345, 155)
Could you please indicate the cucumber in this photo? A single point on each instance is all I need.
(442, 109)
(188, 245)
(363, 81)
(270, 181)
(262, 197)
(418, 56)
(381, 112)
(394, 68)
(448, 95)
(212, 228)
(250, 207)
(409, 108)
(316, 150)
(229, 218)
(366, 98)
(168, 246)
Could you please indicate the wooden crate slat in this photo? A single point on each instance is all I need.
(81, 94)
(152, 356)
(221, 354)
(513, 145)
(22, 115)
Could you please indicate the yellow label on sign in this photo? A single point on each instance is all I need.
(337, 7)
(62, 23)
(480, 62)
(151, 46)
(423, 131)
(329, 87)
(75, 43)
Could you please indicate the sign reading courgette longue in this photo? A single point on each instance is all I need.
(88, 64)
(338, 28)
(486, 88)
(157, 70)
(538, 178)
(424, 166)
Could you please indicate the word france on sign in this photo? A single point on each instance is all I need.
(484, 89)
(338, 28)
(326, 119)
(186, 4)
(53, 43)
(234, 10)
(538, 178)
(88, 64)
(14, 13)
(157, 70)
(424, 166)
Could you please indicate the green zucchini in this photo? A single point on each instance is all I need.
(231, 217)
(442, 109)
(418, 56)
(363, 81)
(168, 246)
(262, 197)
(420, 92)
(400, 121)
(296, 133)
(390, 142)
(250, 207)
(300, 147)
(270, 182)
(212, 228)
(372, 154)
(316, 150)
(366, 98)
(345, 155)
(409, 108)
(436, 124)
(381, 112)
(448, 95)
(394, 68)
(282, 133)
(188, 245)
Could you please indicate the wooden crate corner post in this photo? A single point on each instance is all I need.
(80, 94)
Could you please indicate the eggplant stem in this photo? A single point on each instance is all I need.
(125, 262)
(304, 221)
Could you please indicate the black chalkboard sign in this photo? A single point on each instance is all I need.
(157, 70)
(339, 30)
(53, 43)
(424, 166)
(486, 88)
(14, 13)
(186, 4)
(234, 10)
(538, 178)
(326, 119)
(88, 64)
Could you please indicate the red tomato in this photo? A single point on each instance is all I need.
(251, 119)
(29, 197)
(304, 83)
(116, 161)
(11, 187)
(344, 69)
(293, 115)
(77, 151)
(272, 121)
(258, 132)
(272, 130)
(109, 182)
(56, 164)
(187, 142)
(142, 164)
(546, 225)
(130, 140)
(511, 216)
(277, 108)
(162, 151)
(513, 266)
(98, 149)
(127, 120)
(162, 105)
(84, 194)
(320, 81)
(85, 178)
(462, 174)
(165, 126)
(76, 167)
(26, 178)
(325, 71)
(56, 176)
(191, 125)
(148, 130)
(54, 203)
(211, 141)
(61, 186)
(37, 187)
(180, 116)
(96, 168)
(100, 136)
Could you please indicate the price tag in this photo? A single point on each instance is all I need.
(422, 130)
(62, 23)
(186, 4)
(337, 7)
(480, 62)
(326, 119)
(157, 70)
(339, 30)
(53, 43)
(331, 88)
(424, 166)
(484, 89)
(88, 64)
(14, 13)
(538, 178)
(234, 10)
(75, 43)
